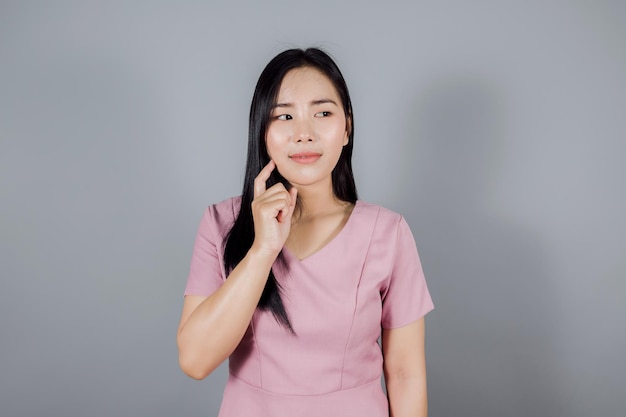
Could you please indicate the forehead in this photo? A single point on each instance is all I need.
(305, 84)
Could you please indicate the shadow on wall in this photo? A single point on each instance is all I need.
(490, 340)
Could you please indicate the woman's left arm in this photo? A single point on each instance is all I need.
(405, 370)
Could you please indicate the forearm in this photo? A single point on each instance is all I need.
(407, 396)
(215, 328)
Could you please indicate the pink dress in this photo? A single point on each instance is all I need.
(367, 278)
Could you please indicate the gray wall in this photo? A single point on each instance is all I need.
(497, 128)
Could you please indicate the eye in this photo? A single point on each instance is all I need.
(323, 114)
(284, 117)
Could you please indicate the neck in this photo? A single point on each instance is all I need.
(316, 200)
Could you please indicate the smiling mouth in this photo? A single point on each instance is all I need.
(305, 157)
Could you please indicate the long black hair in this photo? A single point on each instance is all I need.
(241, 236)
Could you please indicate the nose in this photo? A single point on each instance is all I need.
(303, 131)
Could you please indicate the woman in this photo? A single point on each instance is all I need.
(296, 280)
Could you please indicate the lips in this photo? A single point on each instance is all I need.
(305, 157)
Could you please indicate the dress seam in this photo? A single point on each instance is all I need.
(279, 394)
(390, 271)
(356, 300)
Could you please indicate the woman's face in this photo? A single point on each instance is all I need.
(307, 129)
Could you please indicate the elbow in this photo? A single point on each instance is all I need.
(192, 368)
(195, 364)
(195, 361)
(194, 373)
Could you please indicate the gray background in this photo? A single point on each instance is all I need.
(497, 128)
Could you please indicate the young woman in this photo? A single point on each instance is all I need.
(295, 280)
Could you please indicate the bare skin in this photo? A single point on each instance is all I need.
(311, 233)
(405, 370)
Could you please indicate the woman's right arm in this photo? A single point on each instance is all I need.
(211, 327)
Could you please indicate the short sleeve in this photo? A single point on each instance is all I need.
(406, 298)
(206, 273)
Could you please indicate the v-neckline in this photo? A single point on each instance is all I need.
(330, 243)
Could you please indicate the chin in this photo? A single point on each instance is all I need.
(305, 182)
(305, 176)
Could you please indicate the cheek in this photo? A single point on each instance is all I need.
(337, 129)
(339, 133)
(269, 143)
(272, 149)
(273, 140)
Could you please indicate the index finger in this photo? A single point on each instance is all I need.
(261, 179)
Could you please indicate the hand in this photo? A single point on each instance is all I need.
(271, 210)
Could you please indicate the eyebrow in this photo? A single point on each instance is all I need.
(313, 103)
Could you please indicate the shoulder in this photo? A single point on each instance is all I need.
(383, 217)
(221, 216)
(389, 227)
(228, 208)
